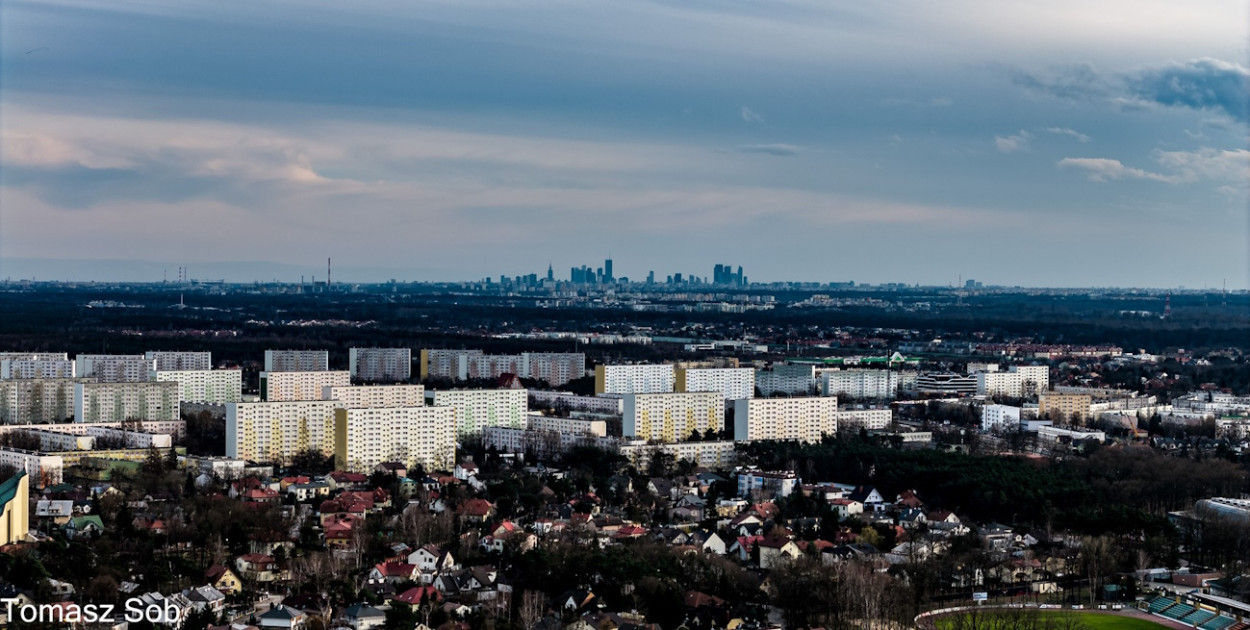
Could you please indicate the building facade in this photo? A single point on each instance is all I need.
(297, 360)
(635, 379)
(380, 364)
(1064, 406)
(214, 387)
(861, 384)
(376, 395)
(804, 419)
(1000, 417)
(787, 379)
(731, 383)
(367, 436)
(672, 417)
(288, 386)
(37, 401)
(43, 469)
(114, 368)
(178, 361)
(867, 418)
(36, 366)
(274, 431)
(115, 402)
(477, 409)
(574, 426)
(711, 454)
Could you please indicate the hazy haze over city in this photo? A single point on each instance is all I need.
(1057, 143)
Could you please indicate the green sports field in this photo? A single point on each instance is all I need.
(1050, 620)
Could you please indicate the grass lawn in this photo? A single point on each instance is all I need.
(1089, 620)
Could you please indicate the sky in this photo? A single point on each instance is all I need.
(1055, 143)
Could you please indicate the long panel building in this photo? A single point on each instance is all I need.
(297, 360)
(380, 364)
(177, 360)
(643, 378)
(115, 402)
(732, 383)
(376, 395)
(288, 386)
(672, 417)
(274, 431)
(114, 368)
(803, 419)
(477, 409)
(214, 387)
(37, 401)
(26, 366)
(367, 436)
(556, 368)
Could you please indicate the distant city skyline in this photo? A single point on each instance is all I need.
(1065, 144)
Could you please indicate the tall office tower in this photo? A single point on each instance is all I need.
(801, 419)
(607, 270)
(205, 386)
(551, 273)
(380, 364)
(115, 402)
(297, 360)
(287, 386)
(672, 417)
(172, 360)
(114, 368)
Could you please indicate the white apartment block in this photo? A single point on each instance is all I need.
(297, 360)
(1018, 382)
(763, 484)
(804, 419)
(287, 386)
(1067, 434)
(861, 384)
(273, 431)
(556, 368)
(871, 419)
(38, 356)
(178, 361)
(214, 387)
(36, 401)
(367, 436)
(477, 409)
(35, 366)
(62, 440)
(114, 368)
(376, 395)
(132, 439)
(672, 417)
(790, 380)
(171, 427)
(573, 426)
(380, 364)
(712, 454)
(44, 470)
(438, 363)
(635, 379)
(115, 402)
(732, 383)
(573, 402)
(1000, 417)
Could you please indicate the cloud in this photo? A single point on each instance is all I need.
(771, 149)
(1178, 167)
(1013, 143)
(1064, 131)
(1203, 84)
(1106, 169)
(751, 116)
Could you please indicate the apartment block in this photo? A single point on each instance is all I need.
(38, 356)
(763, 484)
(115, 402)
(114, 368)
(787, 379)
(803, 419)
(732, 383)
(1064, 405)
(36, 366)
(573, 402)
(129, 438)
(179, 361)
(574, 426)
(672, 417)
(635, 379)
(273, 431)
(50, 440)
(215, 387)
(367, 436)
(1018, 382)
(1000, 417)
(43, 469)
(297, 360)
(861, 384)
(711, 454)
(287, 386)
(376, 395)
(947, 383)
(438, 363)
(380, 364)
(37, 401)
(867, 418)
(477, 409)
(556, 368)
(543, 444)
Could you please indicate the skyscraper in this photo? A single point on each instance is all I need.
(607, 270)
